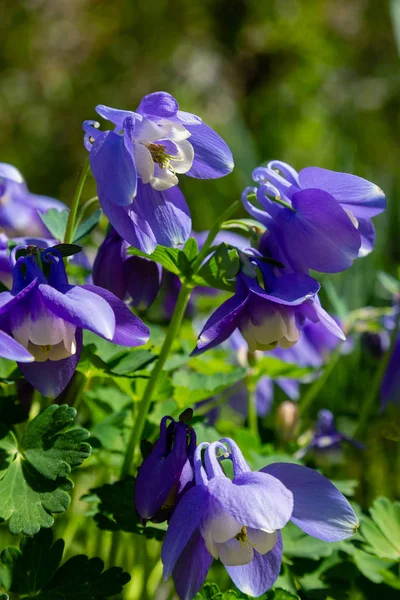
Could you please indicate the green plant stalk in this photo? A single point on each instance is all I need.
(370, 400)
(71, 223)
(145, 403)
(88, 204)
(306, 401)
(172, 333)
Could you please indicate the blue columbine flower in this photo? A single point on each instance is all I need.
(136, 166)
(167, 472)
(326, 441)
(316, 219)
(266, 317)
(239, 521)
(19, 207)
(125, 275)
(46, 315)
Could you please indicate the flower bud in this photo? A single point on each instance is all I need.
(287, 419)
(167, 472)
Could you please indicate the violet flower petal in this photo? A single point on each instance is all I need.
(319, 508)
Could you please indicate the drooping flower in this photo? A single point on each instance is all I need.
(316, 219)
(265, 317)
(125, 275)
(239, 521)
(326, 443)
(135, 168)
(46, 315)
(167, 472)
(19, 207)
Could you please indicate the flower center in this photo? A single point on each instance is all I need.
(160, 156)
(242, 535)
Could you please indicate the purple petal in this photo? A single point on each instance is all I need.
(114, 169)
(363, 198)
(184, 521)
(291, 387)
(270, 507)
(160, 473)
(261, 573)
(159, 104)
(115, 115)
(319, 508)
(9, 172)
(319, 235)
(129, 329)
(221, 324)
(166, 213)
(51, 377)
(264, 396)
(212, 156)
(191, 568)
(130, 226)
(11, 349)
(390, 388)
(367, 232)
(108, 267)
(143, 280)
(43, 204)
(291, 289)
(9, 300)
(81, 307)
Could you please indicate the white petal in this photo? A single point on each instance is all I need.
(261, 541)
(144, 162)
(234, 553)
(163, 179)
(58, 352)
(148, 131)
(21, 331)
(45, 328)
(224, 528)
(69, 338)
(184, 159)
(174, 131)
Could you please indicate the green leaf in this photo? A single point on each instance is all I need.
(55, 221)
(166, 257)
(87, 226)
(191, 249)
(389, 283)
(67, 249)
(279, 594)
(34, 570)
(191, 386)
(32, 567)
(116, 512)
(220, 270)
(370, 566)
(299, 544)
(108, 433)
(274, 368)
(33, 474)
(382, 531)
(129, 363)
(209, 591)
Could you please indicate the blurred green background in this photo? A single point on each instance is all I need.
(310, 82)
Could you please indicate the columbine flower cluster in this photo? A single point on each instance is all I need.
(237, 521)
(315, 219)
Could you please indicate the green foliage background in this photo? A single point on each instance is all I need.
(311, 82)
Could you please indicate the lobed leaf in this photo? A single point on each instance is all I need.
(33, 474)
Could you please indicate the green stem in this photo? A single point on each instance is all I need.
(370, 400)
(252, 414)
(145, 403)
(312, 392)
(211, 235)
(71, 223)
(88, 204)
(114, 549)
